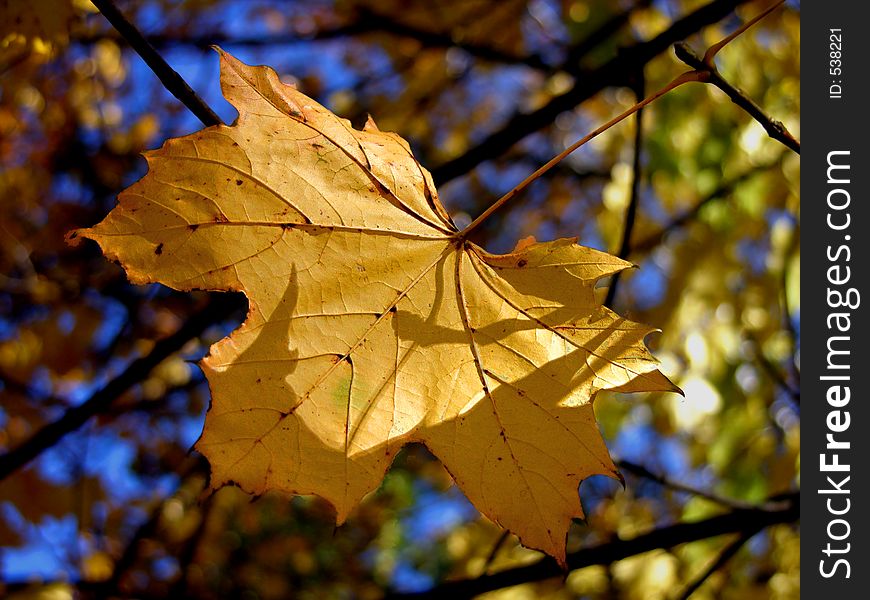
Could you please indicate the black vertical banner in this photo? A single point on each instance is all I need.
(835, 190)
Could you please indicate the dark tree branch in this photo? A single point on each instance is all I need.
(736, 521)
(723, 558)
(775, 129)
(589, 83)
(171, 80)
(219, 308)
(642, 471)
(634, 200)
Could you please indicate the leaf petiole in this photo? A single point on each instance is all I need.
(686, 77)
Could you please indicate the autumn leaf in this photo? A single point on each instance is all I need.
(373, 322)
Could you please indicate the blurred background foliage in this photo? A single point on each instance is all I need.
(485, 91)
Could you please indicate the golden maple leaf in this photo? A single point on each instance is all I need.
(372, 321)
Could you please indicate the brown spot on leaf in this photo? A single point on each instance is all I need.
(159, 249)
(193, 226)
(239, 182)
(522, 263)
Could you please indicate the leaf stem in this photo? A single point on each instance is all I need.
(714, 49)
(686, 77)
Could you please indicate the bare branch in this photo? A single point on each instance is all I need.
(775, 129)
(171, 80)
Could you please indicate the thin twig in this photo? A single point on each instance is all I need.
(678, 81)
(494, 552)
(723, 558)
(171, 80)
(775, 129)
(634, 200)
(668, 536)
(642, 471)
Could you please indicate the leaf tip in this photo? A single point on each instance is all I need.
(620, 478)
(370, 124)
